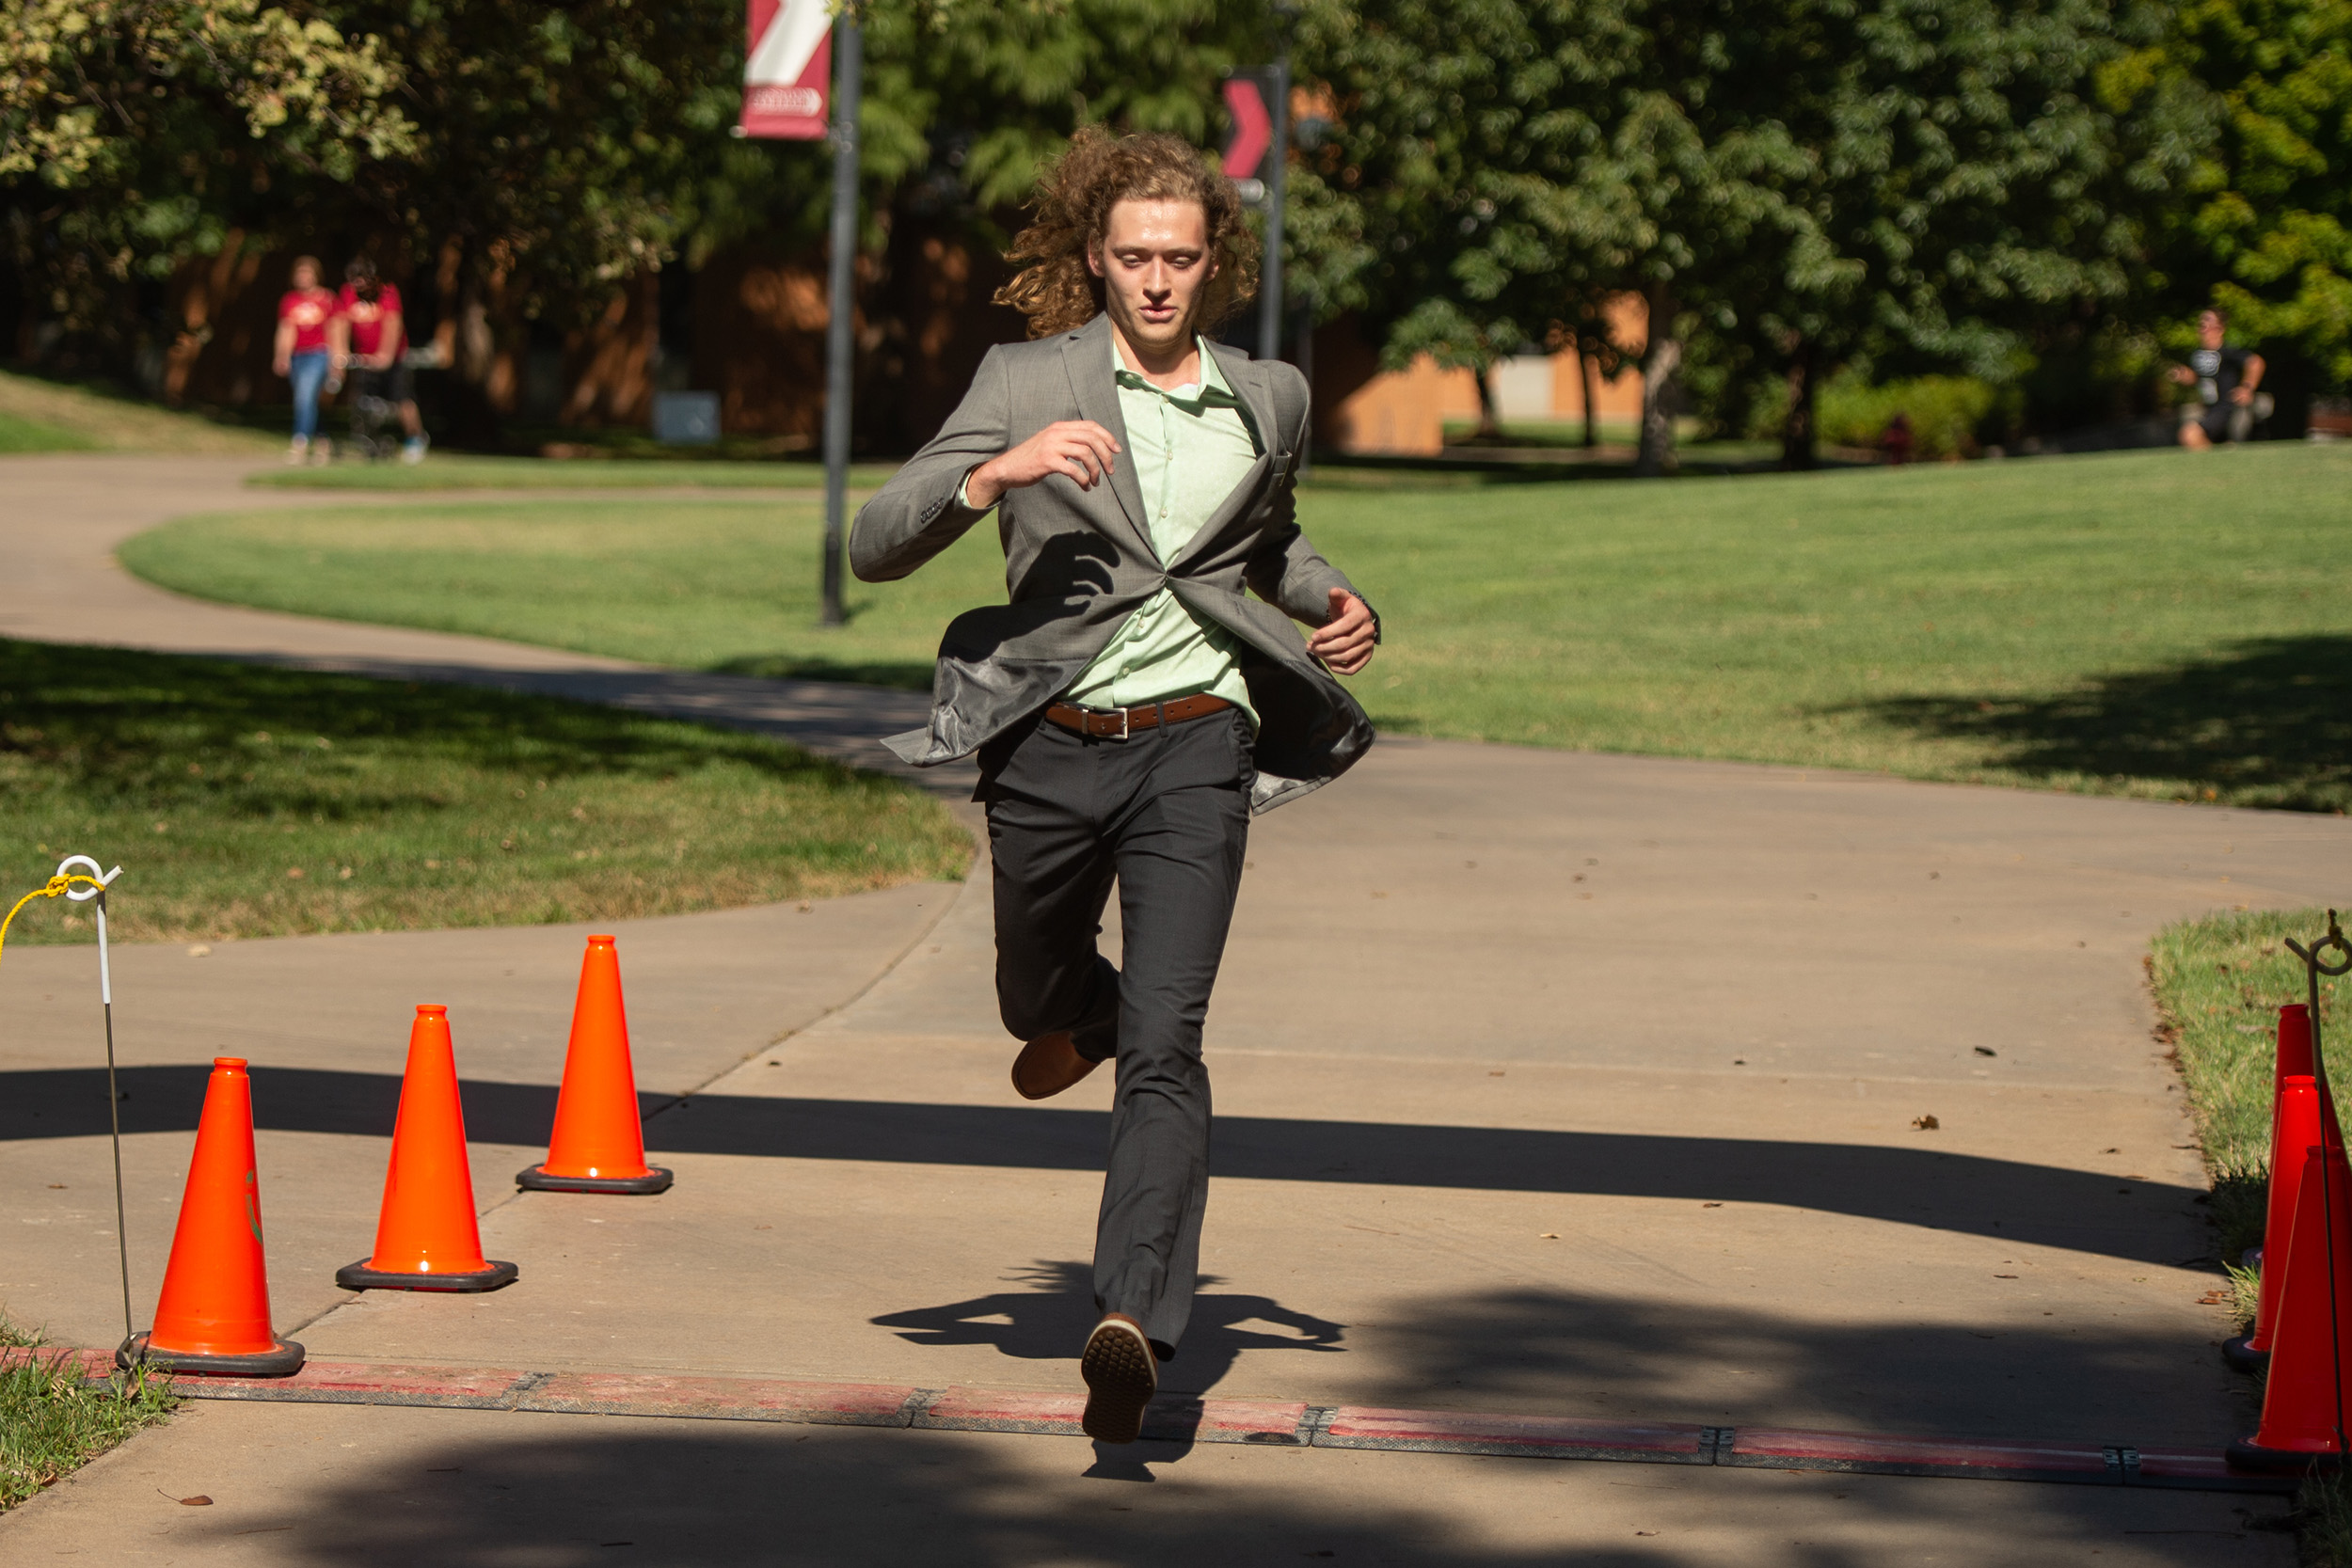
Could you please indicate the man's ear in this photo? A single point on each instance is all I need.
(1094, 257)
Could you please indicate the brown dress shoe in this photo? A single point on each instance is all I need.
(1121, 1374)
(1048, 1065)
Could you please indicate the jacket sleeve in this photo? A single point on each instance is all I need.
(917, 515)
(1285, 570)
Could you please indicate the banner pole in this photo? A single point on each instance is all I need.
(1270, 310)
(848, 63)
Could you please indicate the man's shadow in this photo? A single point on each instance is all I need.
(1050, 1319)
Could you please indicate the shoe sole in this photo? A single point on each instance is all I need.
(1122, 1376)
(1025, 1089)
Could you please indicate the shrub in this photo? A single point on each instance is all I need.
(1945, 412)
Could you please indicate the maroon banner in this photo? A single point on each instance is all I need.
(787, 70)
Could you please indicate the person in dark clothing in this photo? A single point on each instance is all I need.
(371, 337)
(2228, 381)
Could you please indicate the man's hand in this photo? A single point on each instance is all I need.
(1344, 644)
(1078, 449)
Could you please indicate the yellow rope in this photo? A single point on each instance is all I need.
(54, 886)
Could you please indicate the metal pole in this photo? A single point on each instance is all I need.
(114, 1113)
(1270, 311)
(848, 70)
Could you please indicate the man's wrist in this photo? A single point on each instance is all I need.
(978, 491)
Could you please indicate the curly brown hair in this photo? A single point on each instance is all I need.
(1057, 291)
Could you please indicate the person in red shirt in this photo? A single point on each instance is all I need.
(304, 351)
(371, 337)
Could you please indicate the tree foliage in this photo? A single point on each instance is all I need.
(1796, 185)
(135, 132)
(2269, 231)
(1802, 180)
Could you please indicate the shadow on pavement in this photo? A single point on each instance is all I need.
(2032, 1205)
(2073, 1374)
(1659, 1357)
(593, 1491)
(1052, 1317)
(560, 1492)
(2270, 721)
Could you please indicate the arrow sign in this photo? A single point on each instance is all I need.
(785, 73)
(1253, 127)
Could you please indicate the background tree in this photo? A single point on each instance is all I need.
(1954, 186)
(2269, 237)
(136, 132)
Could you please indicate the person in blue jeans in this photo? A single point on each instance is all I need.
(304, 355)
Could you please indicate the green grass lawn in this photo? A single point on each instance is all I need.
(242, 801)
(2220, 983)
(2165, 625)
(36, 415)
(465, 471)
(50, 1424)
(22, 434)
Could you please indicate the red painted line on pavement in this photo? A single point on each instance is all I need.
(996, 1410)
(368, 1383)
(1181, 1418)
(720, 1399)
(1535, 1436)
(94, 1363)
(1772, 1448)
(2199, 1470)
(1171, 1417)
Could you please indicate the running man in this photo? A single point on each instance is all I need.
(1131, 706)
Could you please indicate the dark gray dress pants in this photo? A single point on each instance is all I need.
(1165, 813)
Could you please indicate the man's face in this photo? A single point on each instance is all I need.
(1154, 262)
(2210, 329)
(305, 276)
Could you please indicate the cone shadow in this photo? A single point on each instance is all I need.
(2013, 1200)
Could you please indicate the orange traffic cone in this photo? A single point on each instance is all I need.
(2294, 1061)
(598, 1145)
(427, 1237)
(2295, 1048)
(214, 1314)
(2303, 1402)
(2298, 1122)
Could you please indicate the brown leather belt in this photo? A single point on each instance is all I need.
(1117, 724)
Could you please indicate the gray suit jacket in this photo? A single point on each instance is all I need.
(1077, 562)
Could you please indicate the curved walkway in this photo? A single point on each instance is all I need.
(60, 583)
(1547, 1083)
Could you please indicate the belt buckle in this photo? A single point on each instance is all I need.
(1124, 729)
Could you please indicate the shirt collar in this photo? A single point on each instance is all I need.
(1211, 391)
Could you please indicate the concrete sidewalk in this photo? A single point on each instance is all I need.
(1547, 1083)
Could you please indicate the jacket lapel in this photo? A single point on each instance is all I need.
(1087, 355)
(1245, 376)
(1241, 373)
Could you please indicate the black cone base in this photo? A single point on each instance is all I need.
(283, 1361)
(2247, 1454)
(2239, 1354)
(537, 1180)
(359, 1276)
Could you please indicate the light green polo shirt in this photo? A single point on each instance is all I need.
(1191, 448)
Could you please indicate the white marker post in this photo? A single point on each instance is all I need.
(65, 868)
